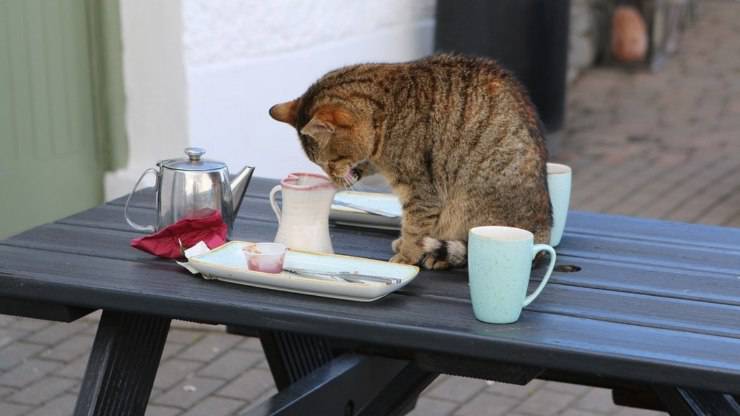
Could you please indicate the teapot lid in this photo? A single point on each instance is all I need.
(193, 162)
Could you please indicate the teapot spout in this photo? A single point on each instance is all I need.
(239, 187)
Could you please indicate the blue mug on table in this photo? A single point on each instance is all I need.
(499, 266)
(558, 182)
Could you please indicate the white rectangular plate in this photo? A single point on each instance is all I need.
(385, 202)
(227, 263)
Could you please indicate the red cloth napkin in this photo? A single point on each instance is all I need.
(210, 229)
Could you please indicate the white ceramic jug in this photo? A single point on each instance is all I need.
(304, 219)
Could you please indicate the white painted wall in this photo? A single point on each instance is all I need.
(155, 87)
(205, 72)
(244, 56)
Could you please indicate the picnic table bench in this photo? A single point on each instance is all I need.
(652, 312)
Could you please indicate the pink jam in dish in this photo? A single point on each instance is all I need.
(265, 257)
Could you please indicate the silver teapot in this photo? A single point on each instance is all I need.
(193, 186)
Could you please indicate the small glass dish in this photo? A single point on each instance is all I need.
(265, 257)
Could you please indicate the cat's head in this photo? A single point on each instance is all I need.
(334, 134)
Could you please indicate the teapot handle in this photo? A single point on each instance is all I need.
(135, 226)
(273, 203)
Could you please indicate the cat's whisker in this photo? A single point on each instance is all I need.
(347, 184)
(350, 183)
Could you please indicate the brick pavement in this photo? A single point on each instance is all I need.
(662, 145)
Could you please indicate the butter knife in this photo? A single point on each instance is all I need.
(346, 276)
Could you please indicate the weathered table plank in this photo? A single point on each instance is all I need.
(677, 269)
(623, 239)
(413, 322)
(598, 274)
(633, 228)
(663, 311)
(594, 276)
(654, 301)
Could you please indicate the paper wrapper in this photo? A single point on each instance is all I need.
(193, 251)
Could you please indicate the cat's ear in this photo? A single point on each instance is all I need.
(319, 129)
(285, 112)
(326, 121)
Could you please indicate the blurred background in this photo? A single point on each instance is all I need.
(94, 92)
(640, 97)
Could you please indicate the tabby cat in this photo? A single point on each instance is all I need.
(457, 138)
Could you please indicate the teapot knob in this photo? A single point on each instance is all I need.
(194, 153)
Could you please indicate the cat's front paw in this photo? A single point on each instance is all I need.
(432, 263)
(396, 244)
(406, 252)
(404, 259)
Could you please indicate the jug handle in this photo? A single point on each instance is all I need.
(149, 228)
(273, 203)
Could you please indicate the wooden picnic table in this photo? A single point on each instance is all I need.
(653, 313)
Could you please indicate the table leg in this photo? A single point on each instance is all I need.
(351, 384)
(679, 401)
(123, 362)
(292, 356)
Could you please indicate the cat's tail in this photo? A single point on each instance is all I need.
(454, 252)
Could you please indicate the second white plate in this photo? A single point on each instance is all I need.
(354, 214)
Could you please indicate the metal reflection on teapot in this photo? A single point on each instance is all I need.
(191, 187)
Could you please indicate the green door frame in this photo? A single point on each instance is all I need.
(106, 60)
(61, 107)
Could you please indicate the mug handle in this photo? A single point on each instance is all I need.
(135, 226)
(273, 203)
(536, 249)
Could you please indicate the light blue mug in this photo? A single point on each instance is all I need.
(499, 265)
(559, 177)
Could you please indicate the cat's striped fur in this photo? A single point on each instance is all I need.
(456, 137)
